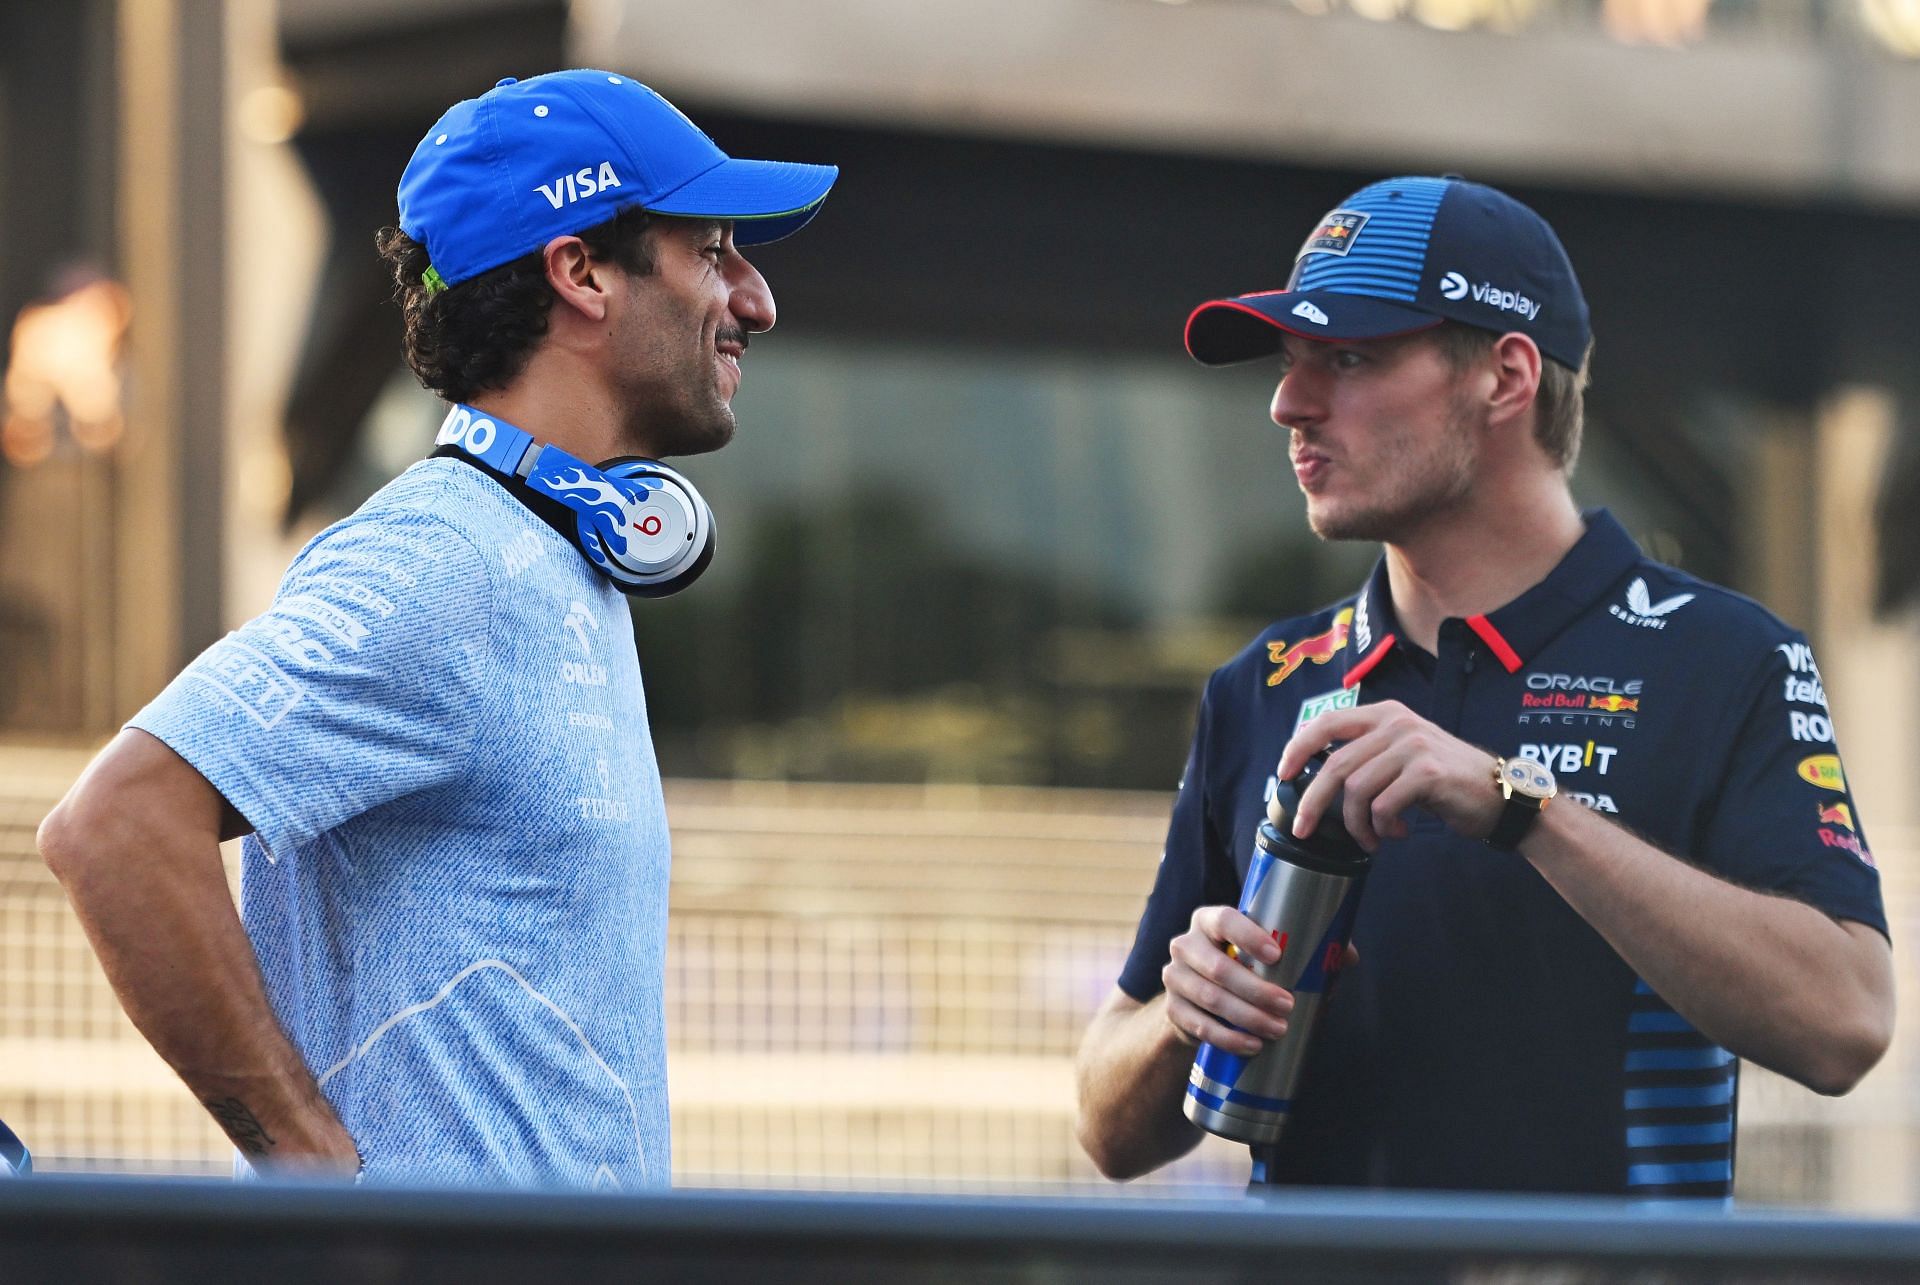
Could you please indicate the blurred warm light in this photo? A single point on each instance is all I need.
(271, 114)
(1895, 23)
(65, 357)
(266, 479)
(1378, 10)
(1459, 15)
(1656, 22)
(1446, 15)
(26, 442)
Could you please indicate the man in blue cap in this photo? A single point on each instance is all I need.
(454, 879)
(1613, 846)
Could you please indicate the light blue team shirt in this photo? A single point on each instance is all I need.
(457, 881)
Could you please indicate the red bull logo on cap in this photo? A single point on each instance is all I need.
(1335, 234)
(1319, 649)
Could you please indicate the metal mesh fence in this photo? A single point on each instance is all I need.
(868, 987)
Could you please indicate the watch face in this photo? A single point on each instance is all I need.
(1527, 777)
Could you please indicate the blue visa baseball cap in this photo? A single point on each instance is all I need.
(1403, 255)
(499, 176)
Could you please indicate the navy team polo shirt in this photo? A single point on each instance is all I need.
(1489, 1038)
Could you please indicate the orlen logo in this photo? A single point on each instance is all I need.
(1456, 287)
(579, 185)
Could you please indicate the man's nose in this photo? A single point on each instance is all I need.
(752, 299)
(1299, 399)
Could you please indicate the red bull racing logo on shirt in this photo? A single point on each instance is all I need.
(1319, 649)
(1847, 843)
(1837, 814)
(1577, 699)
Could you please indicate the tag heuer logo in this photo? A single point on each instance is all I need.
(1641, 610)
(1336, 233)
(1306, 309)
(1313, 707)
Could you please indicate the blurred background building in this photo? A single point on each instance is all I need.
(985, 528)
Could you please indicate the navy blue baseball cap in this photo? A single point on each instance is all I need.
(1403, 255)
(501, 175)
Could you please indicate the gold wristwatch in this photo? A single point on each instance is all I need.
(1526, 786)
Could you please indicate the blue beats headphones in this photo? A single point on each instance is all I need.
(642, 524)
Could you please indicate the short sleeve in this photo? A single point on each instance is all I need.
(1187, 878)
(358, 686)
(1783, 818)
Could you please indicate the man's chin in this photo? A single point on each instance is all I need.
(1331, 522)
(701, 438)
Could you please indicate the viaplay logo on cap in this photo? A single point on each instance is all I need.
(1456, 287)
(1335, 235)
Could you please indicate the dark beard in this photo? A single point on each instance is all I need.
(1395, 524)
(691, 430)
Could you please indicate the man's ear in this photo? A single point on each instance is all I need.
(577, 281)
(1516, 377)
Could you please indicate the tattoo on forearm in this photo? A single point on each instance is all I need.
(247, 1133)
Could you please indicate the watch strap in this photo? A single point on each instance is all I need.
(1516, 818)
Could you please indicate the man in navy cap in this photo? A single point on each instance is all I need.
(454, 880)
(1613, 846)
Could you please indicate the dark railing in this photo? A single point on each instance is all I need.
(69, 1230)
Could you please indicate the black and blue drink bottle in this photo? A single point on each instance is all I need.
(1305, 892)
(15, 1159)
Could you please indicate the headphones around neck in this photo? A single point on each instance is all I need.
(642, 524)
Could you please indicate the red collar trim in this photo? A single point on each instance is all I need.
(1365, 667)
(1501, 649)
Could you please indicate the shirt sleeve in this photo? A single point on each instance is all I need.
(358, 686)
(1783, 819)
(1189, 876)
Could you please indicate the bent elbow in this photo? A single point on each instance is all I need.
(1115, 1162)
(71, 839)
(57, 842)
(1849, 1055)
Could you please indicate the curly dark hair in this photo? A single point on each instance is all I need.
(477, 335)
